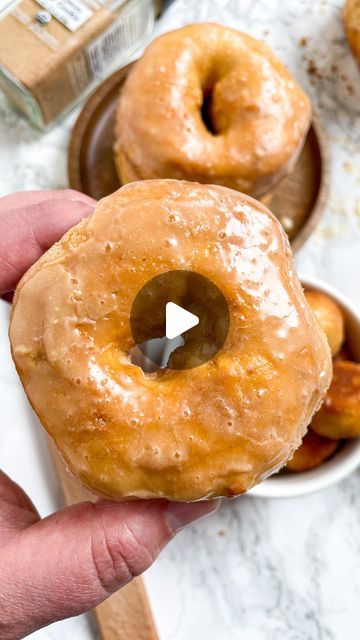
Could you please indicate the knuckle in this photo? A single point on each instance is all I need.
(138, 556)
(118, 559)
(106, 572)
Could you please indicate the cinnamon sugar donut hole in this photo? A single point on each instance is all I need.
(330, 317)
(351, 19)
(313, 451)
(339, 416)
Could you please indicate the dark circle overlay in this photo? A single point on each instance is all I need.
(195, 293)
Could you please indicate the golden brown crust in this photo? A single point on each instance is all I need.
(351, 18)
(313, 450)
(339, 416)
(330, 317)
(214, 430)
(258, 113)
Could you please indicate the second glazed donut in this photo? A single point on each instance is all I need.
(210, 104)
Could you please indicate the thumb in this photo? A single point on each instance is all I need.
(69, 562)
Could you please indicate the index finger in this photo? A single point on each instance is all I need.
(26, 198)
(28, 231)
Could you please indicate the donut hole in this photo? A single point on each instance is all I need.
(206, 110)
(192, 292)
(154, 354)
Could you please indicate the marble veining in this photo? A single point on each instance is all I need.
(258, 569)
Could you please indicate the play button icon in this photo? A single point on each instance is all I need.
(179, 320)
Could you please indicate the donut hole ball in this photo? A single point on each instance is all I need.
(313, 450)
(344, 353)
(351, 19)
(330, 317)
(339, 416)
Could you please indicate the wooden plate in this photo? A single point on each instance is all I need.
(298, 200)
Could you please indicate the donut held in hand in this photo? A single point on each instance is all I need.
(210, 104)
(214, 430)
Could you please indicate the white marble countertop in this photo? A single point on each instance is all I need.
(258, 569)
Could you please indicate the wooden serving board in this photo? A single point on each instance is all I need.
(298, 201)
(127, 614)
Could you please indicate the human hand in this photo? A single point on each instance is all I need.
(67, 563)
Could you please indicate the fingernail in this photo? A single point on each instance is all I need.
(180, 514)
(92, 207)
(87, 209)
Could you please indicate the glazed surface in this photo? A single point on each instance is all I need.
(213, 430)
(210, 104)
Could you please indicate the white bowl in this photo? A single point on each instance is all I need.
(343, 462)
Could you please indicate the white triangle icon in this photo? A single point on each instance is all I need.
(178, 320)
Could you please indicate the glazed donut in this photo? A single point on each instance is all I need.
(313, 451)
(351, 19)
(339, 416)
(330, 317)
(214, 430)
(210, 104)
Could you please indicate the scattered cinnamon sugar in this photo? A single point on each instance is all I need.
(312, 68)
(326, 233)
(303, 42)
(348, 167)
(221, 533)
